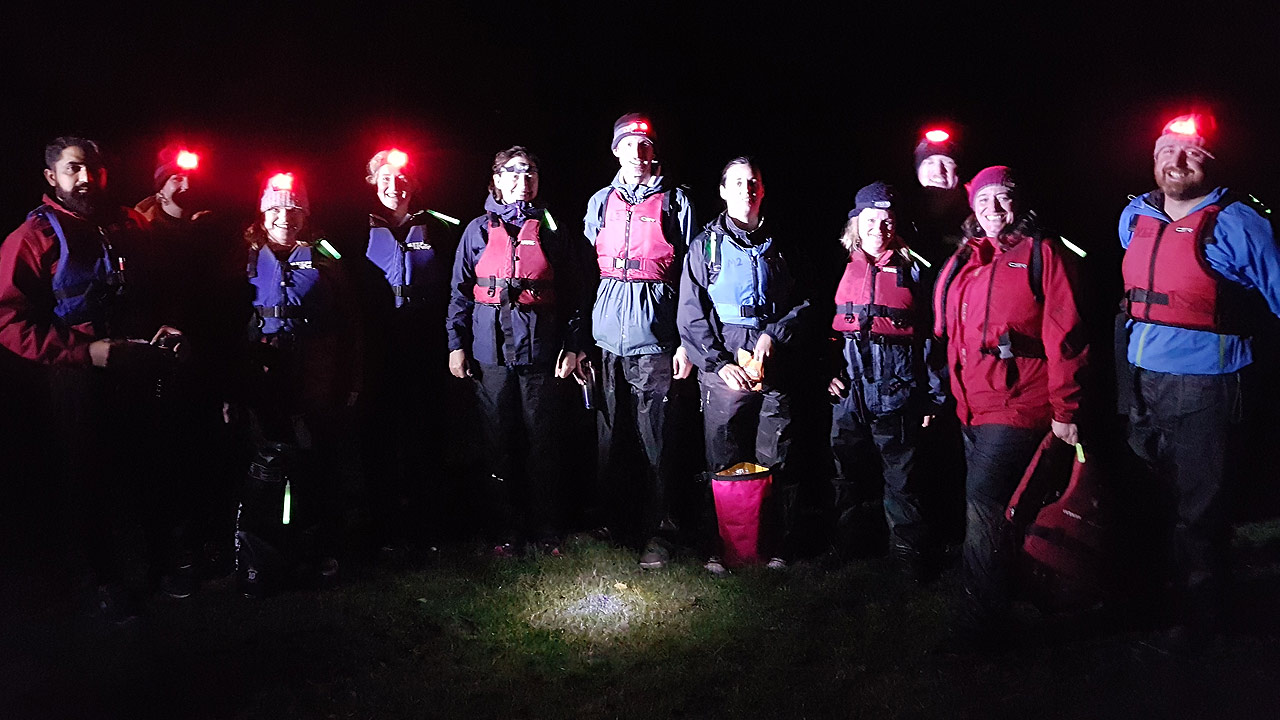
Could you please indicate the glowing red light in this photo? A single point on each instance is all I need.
(397, 158)
(643, 126)
(188, 160)
(1183, 126)
(281, 181)
(937, 136)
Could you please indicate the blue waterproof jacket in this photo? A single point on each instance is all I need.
(1244, 251)
(639, 318)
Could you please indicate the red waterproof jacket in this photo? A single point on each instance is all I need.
(28, 261)
(1013, 359)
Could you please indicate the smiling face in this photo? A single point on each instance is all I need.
(875, 229)
(1180, 171)
(283, 225)
(516, 180)
(635, 155)
(394, 189)
(938, 171)
(994, 207)
(742, 191)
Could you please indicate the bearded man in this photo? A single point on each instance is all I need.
(1199, 262)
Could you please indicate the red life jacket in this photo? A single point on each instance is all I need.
(1167, 280)
(513, 270)
(630, 245)
(875, 298)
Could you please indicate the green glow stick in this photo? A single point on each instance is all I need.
(446, 218)
(288, 504)
(330, 250)
(551, 222)
(1073, 247)
(1079, 453)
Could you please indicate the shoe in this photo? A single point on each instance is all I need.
(550, 546)
(182, 582)
(776, 563)
(716, 567)
(655, 555)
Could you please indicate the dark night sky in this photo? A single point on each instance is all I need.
(828, 102)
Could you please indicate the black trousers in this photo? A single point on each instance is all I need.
(634, 435)
(1182, 428)
(873, 451)
(996, 456)
(521, 407)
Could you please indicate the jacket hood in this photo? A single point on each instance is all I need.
(1152, 203)
(515, 213)
(724, 226)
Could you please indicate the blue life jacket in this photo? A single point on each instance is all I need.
(90, 274)
(739, 282)
(291, 296)
(414, 268)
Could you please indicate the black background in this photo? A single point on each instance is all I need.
(828, 101)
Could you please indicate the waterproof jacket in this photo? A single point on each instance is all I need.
(515, 334)
(203, 291)
(1243, 252)
(894, 369)
(711, 342)
(639, 318)
(1013, 358)
(57, 289)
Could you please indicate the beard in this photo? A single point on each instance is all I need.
(86, 201)
(1187, 187)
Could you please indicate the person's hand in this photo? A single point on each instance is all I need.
(927, 420)
(680, 365)
(837, 387)
(764, 348)
(171, 338)
(100, 352)
(352, 398)
(458, 364)
(735, 377)
(1068, 433)
(566, 364)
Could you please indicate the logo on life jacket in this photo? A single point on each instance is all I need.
(634, 251)
(1167, 279)
(513, 270)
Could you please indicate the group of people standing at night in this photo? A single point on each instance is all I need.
(950, 318)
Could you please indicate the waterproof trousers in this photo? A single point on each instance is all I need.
(521, 409)
(631, 491)
(871, 452)
(997, 456)
(1181, 427)
(753, 427)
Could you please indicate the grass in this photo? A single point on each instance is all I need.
(454, 633)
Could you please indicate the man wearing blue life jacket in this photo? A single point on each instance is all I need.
(1199, 262)
(412, 248)
(640, 227)
(69, 301)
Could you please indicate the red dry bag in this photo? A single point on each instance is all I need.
(740, 492)
(1058, 514)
